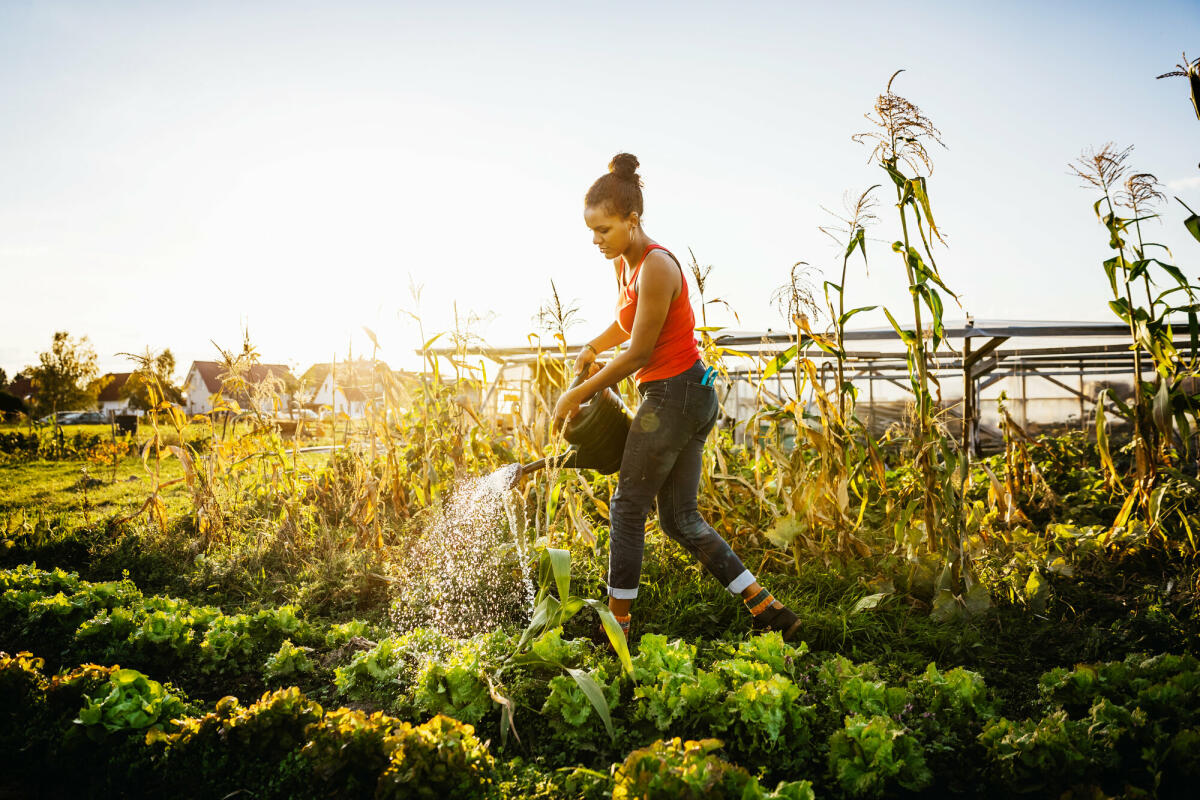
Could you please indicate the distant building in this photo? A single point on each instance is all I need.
(22, 387)
(203, 384)
(110, 398)
(347, 387)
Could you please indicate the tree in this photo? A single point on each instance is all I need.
(63, 374)
(153, 370)
(3, 378)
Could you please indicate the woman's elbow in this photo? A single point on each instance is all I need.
(638, 359)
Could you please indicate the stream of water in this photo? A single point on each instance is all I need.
(469, 571)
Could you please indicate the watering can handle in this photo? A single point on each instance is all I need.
(579, 379)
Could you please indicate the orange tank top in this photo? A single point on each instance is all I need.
(675, 350)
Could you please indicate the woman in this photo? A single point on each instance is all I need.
(662, 458)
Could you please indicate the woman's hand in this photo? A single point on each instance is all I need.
(586, 357)
(566, 407)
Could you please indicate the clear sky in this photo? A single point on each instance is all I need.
(172, 170)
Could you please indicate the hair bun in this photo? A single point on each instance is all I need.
(624, 166)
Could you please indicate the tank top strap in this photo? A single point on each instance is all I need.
(634, 276)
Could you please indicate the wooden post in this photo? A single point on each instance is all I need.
(968, 405)
(1024, 402)
(871, 400)
(1082, 423)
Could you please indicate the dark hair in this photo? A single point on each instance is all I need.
(620, 189)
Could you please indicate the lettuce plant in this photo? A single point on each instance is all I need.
(874, 756)
(132, 702)
(288, 662)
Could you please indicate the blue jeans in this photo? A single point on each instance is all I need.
(662, 461)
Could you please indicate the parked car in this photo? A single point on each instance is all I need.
(63, 417)
(76, 418)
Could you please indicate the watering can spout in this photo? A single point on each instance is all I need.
(566, 459)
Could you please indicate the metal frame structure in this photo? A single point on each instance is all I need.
(977, 363)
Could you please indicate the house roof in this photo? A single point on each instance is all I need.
(112, 388)
(210, 373)
(349, 373)
(21, 387)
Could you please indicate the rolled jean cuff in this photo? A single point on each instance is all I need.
(624, 594)
(739, 584)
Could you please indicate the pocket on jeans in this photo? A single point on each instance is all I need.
(700, 403)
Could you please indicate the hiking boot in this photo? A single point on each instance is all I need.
(781, 619)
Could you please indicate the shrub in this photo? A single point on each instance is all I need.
(764, 717)
(572, 719)
(954, 706)
(770, 649)
(1037, 755)
(228, 642)
(677, 770)
(457, 686)
(439, 759)
(22, 697)
(233, 747)
(873, 756)
(348, 750)
(132, 702)
(288, 662)
(674, 692)
(387, 671)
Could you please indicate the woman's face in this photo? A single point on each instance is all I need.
(610, 232)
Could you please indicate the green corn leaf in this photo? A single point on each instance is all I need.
(1110, 269)
(945, 606)
(1120, 404)
(845, 317)
(1185, 429)
(860, 237)
(1102, 437)
(1162, 409)
(895, 174)
(908, 337)
(1192, 223)
(615, 635)
(1193, 331)
(922, 196)
(934, 303)
(547, 610)
(1139, 269)
(587, 684)
(560, 567)
(1176, 273)
(828, 348)
(869, 602)
(780, 361)
(926, 272)
(977, 599)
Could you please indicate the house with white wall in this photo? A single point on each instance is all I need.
(348, 387)
(110, 397)
(203, 384)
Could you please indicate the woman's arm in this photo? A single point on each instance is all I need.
(658, 284)
(611, 337)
